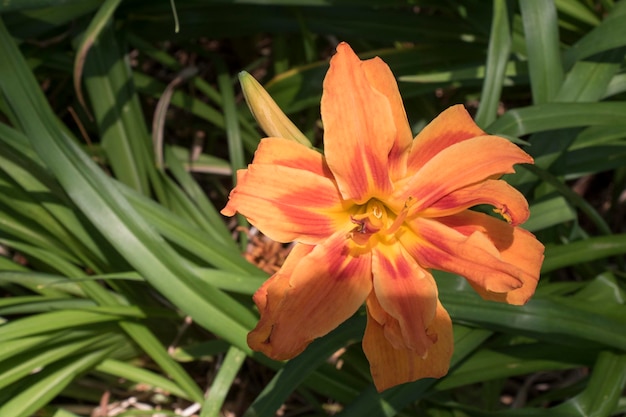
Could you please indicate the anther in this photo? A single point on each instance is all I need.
(504, 212)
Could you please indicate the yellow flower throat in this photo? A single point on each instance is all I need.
(375, 217)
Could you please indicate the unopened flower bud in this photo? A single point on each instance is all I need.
(267, 113)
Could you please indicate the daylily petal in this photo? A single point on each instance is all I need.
(476, 251)
(390, 366)
(518, 247)
(458, 166)
(382, 79)
(453, 125)
(280, 280)
(287, 153)
(310, 297)
(288, 204)
(473, 256)
(506, 200)
(407, 293)
(359, 129)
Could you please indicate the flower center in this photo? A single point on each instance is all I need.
(375, 218)
(370, 218)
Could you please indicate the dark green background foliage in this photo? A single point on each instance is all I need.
(120, 279)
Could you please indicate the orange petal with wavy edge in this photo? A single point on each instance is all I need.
(453, 125)
(359, 129)
(506, 200)
(390, 366)
(382, 79)
(311, 297)
(287, 153)
(517, 247)
(462, 164)
(280, 280)
(288, 204)
(407, 293)
(391, 327)
(474, 256)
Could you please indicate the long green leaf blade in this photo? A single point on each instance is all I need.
(544, 54)
(497, 58)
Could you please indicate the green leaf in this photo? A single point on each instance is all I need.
(557, 320)
(29, 361)
(233, 135)
(100, 201)
(21, 165)
(575, 199)
(54, 320)
(589, 79)
(591, 160)
(19, 345)
(610, 34)
(41, 387)
(204, 212)
(577, 10)
(604, 389)
(296, 370)
(223, 381)
(37, 304)
(550, 116)
(542, 44)
(139, 375)
(549, 212)
(119, 116)
(491, 364)
(599, 399)
(112, 214)
(497, 58)
(98, 23)
(186, 235)
(583, 251)
(603, 289)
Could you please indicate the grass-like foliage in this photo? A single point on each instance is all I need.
(124, 291)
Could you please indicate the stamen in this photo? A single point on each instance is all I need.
(374, 219)
(504, 212)
(401, 217)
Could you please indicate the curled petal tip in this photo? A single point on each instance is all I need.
(228, 211)
(343, 47)
(391, 366)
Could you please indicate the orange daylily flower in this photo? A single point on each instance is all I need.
(372, 217)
